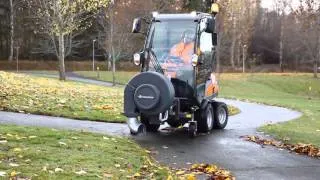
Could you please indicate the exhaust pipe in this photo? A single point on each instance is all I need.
(136, 128)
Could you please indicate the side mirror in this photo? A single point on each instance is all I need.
(136, 25)
(207, 25)
(214, 39)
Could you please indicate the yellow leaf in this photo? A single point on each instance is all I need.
(17, 149)
(169, 177)
(191, 177)
(180, 172)
(137, 174)
(58, 170)
(13, 173)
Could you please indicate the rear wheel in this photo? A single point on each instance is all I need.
(149, 127)
(205, 122)
(220, 115)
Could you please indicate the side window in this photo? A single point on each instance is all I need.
(206, 42)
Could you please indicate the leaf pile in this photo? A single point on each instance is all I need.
(300, 148)
(36, 95)
(210, 171)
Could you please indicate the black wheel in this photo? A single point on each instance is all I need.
(149, 127)
(220, 115)
(205, 121)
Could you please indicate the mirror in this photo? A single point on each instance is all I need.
(136, 25)
(203, 24)
(207, 25)
(214, 39)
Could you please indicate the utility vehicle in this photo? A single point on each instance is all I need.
(177, 83)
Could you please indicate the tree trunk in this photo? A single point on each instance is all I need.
(61, 54)
(315, 62)
(234, 39)
(281, 45)
(11, 32)
(112, 49)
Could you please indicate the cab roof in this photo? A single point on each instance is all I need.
(187, 16)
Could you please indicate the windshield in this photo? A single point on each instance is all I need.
(173, 44)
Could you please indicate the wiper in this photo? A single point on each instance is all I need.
(154, 60)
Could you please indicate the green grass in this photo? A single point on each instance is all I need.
(297, 91)
(121, 77)
(37, 95)
(37, 153)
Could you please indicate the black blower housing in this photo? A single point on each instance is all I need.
(149, 93)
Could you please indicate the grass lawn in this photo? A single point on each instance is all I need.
(40, 153)
(37, 95)
(121, 77)
(297, 91)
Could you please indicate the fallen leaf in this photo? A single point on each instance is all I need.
(105, 138)
(81, 172)
(3, 141)
(191, 177)
(180, 172)
(44, 168)
(13, 165)
(13, 174)
(17, 150)
(62, 143)
(107, 175)
(137, 175)
(32, 137)
(58, 170)
(117, 165)
(2, 173)
(74, 138)
(169, 177)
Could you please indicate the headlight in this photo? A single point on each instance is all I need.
(195, 60)
(136, 59)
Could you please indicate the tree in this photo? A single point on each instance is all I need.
(13, 6)
(308, 19)
(61, 18)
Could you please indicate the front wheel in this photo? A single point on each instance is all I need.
(220, 115)
(149, 127)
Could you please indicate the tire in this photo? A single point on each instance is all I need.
(206, 120)
(221, 115)
(149, 127)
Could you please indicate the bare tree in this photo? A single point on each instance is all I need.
(13, 6)
(61, 18)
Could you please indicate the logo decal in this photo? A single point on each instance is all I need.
(145, 97)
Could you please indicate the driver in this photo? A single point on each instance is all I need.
(185, 48)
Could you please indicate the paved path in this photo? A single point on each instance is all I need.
(72, 77)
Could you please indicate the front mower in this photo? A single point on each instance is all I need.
(177, 83)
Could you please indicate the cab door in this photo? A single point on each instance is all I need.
(207, 85)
